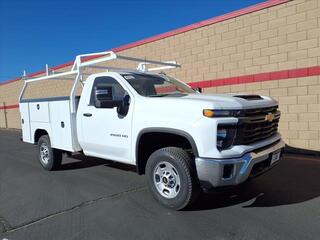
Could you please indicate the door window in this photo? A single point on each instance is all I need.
(118, 93)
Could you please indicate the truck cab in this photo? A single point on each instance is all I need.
(182, 140)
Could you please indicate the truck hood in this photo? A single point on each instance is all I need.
(232, 101)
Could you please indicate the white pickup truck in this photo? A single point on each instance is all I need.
(184, 141)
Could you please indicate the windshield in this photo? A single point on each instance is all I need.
(157, 86)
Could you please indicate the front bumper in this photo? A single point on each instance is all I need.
(227, 172)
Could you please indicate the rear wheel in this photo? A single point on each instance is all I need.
(49, 158)
(172, 178)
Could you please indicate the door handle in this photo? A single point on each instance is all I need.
(87, 114)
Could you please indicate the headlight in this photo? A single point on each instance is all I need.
(220, 113)
(225, 136)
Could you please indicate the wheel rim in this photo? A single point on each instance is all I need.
(166, 179)
(44, 153)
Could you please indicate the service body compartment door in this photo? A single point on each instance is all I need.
(25, 122)
(39, 112)
(60, 125)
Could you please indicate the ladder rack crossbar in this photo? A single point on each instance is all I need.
(167, 63)
(78, 65)
(81, 62)
(111, 68)
(58, 75)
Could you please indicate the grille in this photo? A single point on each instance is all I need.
(257, 124)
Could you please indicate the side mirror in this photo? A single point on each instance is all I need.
(198, 89)
(104, 97)
(123, 108)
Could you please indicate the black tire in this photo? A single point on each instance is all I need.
(54, 156)
(189, 187)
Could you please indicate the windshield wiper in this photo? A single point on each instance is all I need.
(158, 95)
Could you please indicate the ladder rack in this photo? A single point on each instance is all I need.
(89, 61)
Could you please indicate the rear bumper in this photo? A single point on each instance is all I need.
(227, 172)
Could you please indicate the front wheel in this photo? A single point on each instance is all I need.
(172, 178)
(49, 158)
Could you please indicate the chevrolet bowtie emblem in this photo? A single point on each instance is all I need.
(269, 117)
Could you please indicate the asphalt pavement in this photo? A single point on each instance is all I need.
(90, 198)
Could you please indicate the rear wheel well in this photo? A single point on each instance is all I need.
(149, 142)
(38, 134)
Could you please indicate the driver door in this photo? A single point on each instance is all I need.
(106, 133)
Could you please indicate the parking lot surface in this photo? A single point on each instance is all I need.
(91, 198)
